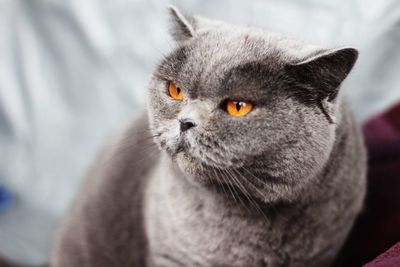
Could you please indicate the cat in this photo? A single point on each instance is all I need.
(247, 155)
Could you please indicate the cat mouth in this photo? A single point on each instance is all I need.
(192, 164)
(193, 155)
(197, 158)
(182, 146)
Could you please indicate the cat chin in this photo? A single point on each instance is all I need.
(188, 164)
(193, 169)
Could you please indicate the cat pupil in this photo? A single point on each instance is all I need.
(238, 105)
(178, 90)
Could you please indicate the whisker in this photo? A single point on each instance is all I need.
(150, 150)
(229, 188)
(220, 184)
(241, 201)
(269, 187)
(232, 186)
(259, 180)
(252, 202)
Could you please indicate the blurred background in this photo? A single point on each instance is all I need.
(73, 72)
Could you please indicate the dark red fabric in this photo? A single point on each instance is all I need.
(390, 258)
(378, 227)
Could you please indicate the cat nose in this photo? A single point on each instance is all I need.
(186, 124)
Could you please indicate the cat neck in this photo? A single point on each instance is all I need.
(183, 218)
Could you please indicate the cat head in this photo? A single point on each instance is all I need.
(244, 105)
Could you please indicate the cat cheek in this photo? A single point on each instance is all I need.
(172, 134)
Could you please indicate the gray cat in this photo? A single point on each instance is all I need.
(247, 155)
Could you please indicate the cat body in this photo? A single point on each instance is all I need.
(187, 184)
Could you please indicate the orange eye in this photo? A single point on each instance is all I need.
(238, 108)
(175, 92)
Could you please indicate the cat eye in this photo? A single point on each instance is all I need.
(238, 108)
(174, 91)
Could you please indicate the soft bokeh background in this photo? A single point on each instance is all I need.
(72, 72)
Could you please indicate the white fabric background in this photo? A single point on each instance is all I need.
(72, 72)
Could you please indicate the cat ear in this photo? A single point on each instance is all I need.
(323, 73)
(318, 78)
(182, 26)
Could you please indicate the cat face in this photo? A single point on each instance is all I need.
(239, 100)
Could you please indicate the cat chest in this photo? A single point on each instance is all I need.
(194, 244)
(184, 232)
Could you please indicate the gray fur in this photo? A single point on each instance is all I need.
(280, 186)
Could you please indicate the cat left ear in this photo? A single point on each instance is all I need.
(182, 26)
(318, 78)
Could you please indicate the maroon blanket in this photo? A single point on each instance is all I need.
(390, 258)
(378, 228)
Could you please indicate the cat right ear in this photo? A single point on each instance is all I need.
(318, 78)
(182, 26)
